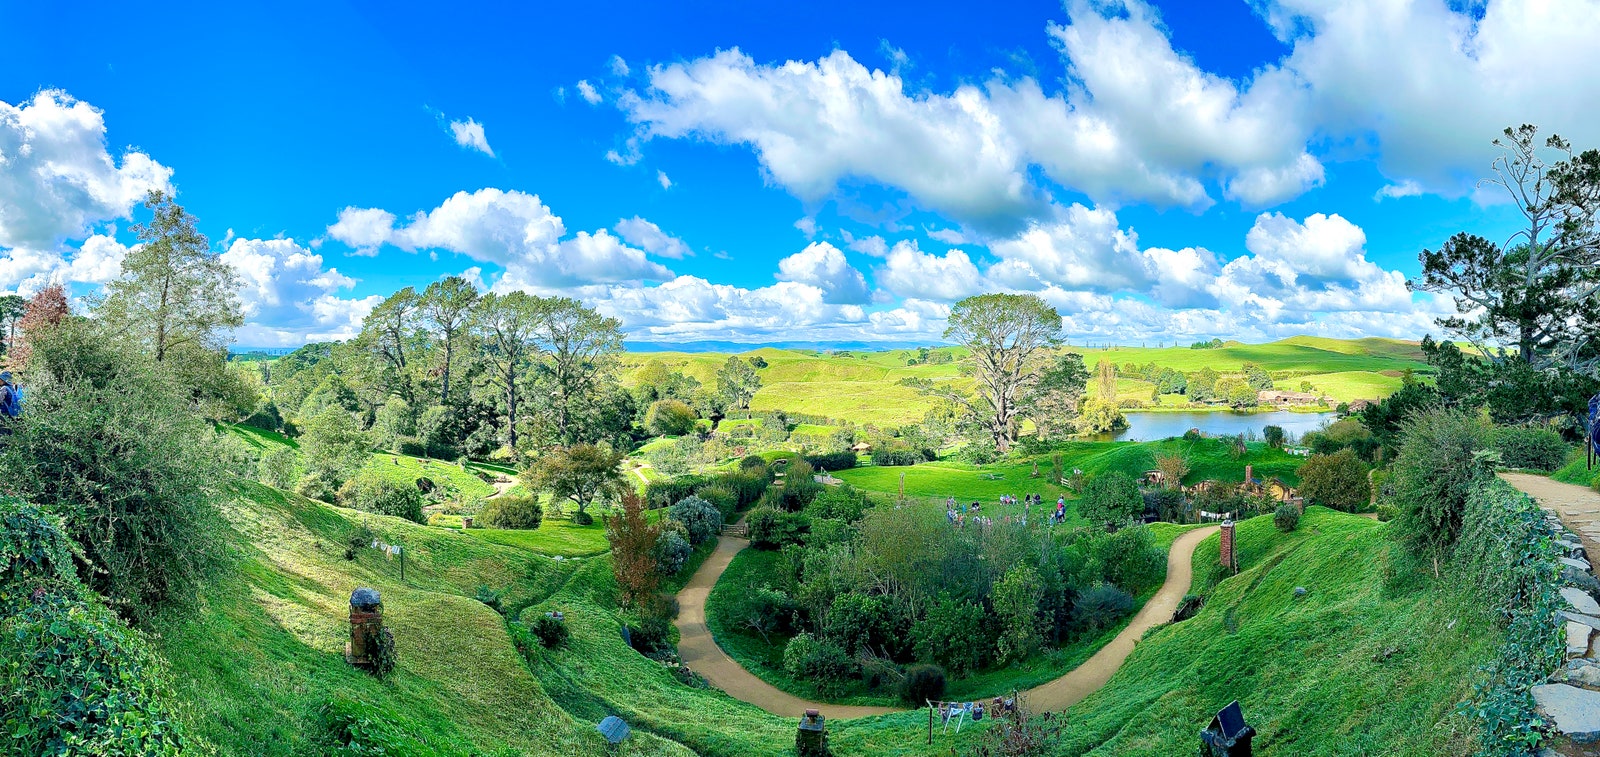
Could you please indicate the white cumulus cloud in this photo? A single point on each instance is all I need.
(823, 266)
(469, 134)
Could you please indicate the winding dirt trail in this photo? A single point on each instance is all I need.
(701, 653)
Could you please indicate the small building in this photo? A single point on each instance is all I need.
(1357, 406)
(1277, 397)
(862, 447)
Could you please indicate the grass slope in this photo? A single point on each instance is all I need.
(863, 387)
(1351, 668)
(1208, 459)
(264, 654)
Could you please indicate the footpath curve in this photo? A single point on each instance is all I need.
(701, 653)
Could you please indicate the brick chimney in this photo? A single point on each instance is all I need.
(1248, 473)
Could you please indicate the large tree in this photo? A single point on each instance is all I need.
(446, 307)
(582, 473)
(1007, 335)
(174, 290)
(506, 325)
(1057, 397)
(46, 310)
(389, 333)
(738, 382)
(1536, 297)
(580, 347)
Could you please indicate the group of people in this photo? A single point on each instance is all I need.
(959, 514)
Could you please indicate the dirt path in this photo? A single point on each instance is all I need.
(501, 487)
(1578, 506)
(1087, 678)
(701, 653)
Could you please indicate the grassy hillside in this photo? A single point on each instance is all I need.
(1350, 668)
(863, 387)
(1577, 471)
(262, 663)
(1208, 459)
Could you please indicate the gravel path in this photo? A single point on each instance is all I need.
(1578, 506)
(701, 653)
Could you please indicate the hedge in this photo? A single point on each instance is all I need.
(1506, 553)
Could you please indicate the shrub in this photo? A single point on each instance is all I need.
(650, 635)
(489, 597)
(820, 662)
(550, 630)
(375, 494)
(753, 462)
(511, 513)
(771, 528)
(277, 468)
(1130, 558)
(895, 456)
(111, 439)
(669, 418)
(1387, 512)
(672, 551)
(701, 519)
(833, 461)
(582, 518)
(360, 537)
(953, 633)
(1110, 499)
(1275, 436)
(1016, 598)
(1169, 505)
(662, 492)
(843, 502)
(1338, 481)
(923, 683)
(766, 611)
(1100, 606)
(75, 679)
(383, 654)
(859, 622)
(426, 485)
(1286, 518)
(722, 497)
(1441, 459)
(1529, 447)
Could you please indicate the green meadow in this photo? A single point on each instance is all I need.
(864, 387)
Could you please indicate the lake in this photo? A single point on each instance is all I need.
(1144, 427)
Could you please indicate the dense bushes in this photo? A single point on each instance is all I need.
(550, 630)
(73, 678)
(819, 661)
(1530, 447)
(1507, 557)
(922, 684)
(894, 456)
(512, 512)
(700, 519)
(110, 439)
(672, 551)
(376, 494)
(1101, 605)
(669, 418)
(832, 461)
(1442, 457)
(1338, 481)
(1286, 518)
(771, 528)
(1110, 499)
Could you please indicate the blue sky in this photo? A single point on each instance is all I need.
(816, 172)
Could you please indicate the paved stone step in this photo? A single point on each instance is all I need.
(1575, 711)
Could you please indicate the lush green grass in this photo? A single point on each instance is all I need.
(263, 652)
(1345, 386)
(401, 469)
(1351, 668)
(554, 537)
(1577, 471)
(1208, 459)
(864, 387)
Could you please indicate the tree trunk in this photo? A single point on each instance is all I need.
(444, 398)
(511, 407)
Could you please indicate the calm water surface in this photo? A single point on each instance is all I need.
(1144, 427)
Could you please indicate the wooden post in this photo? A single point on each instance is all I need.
(402, 551)
(930, 721)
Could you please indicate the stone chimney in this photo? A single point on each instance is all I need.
(366, 623)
